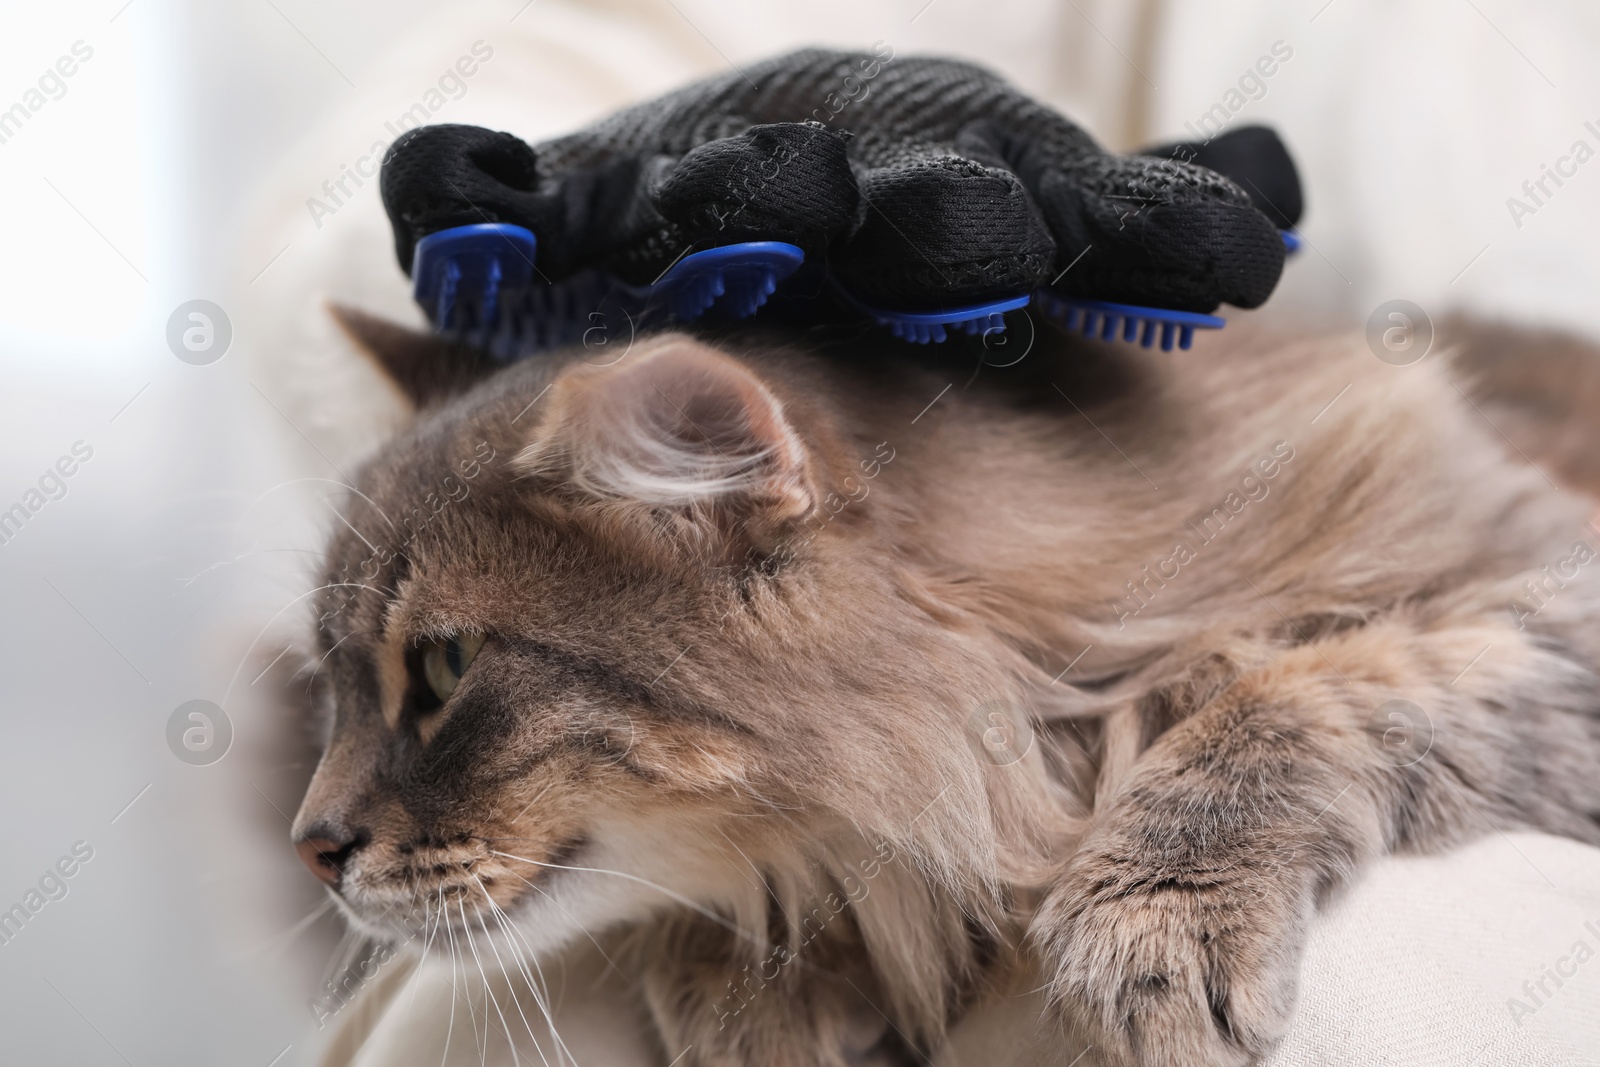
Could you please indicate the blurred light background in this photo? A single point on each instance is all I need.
(176, 162)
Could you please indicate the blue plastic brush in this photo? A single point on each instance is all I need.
(1106, 321)
(478, 284)
(923, 327)
(1147, 326)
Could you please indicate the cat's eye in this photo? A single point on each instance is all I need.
(446, 660)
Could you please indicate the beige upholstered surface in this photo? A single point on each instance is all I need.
(1429, 962)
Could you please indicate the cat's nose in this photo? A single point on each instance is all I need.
(325, 856)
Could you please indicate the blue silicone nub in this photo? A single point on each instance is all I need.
(477, 284)
(739, 276)
(1128, 322)
(462, 276)
(923, 327)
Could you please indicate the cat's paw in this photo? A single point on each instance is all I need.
(1185, 965)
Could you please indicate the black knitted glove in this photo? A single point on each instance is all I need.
(1252, 158)
(921, 183)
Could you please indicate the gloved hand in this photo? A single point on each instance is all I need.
(922, 183)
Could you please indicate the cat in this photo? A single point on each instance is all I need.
(828, 680)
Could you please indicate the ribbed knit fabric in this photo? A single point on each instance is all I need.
(922, 183)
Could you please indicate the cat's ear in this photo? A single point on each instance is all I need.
(424, 367)
(678, 426)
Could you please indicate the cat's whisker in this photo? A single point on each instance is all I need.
(231, 560)
(352, 527)
(541, 999)
(427, 943)
(488, 992)
(541, 996)
(472, 1011)
(511, 985)
(512, 838)
(537, 796)
(340, 955)
(422, 959)
(571, 918)
(543, 987)
(284, 938)
(699, 909)
(456, 957)
(539, 988)
(312, 677)
(795, 960)
(454, 991)
(296, 481)
(537, 983)
(511, 991)
(250, 649)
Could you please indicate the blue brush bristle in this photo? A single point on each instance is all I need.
(1145, 326)
(736, 279)
(924, 327)
(464, 277)
(1128, 322)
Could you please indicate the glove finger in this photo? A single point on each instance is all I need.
(786, 181)
(439, 177)
(940, 228)
(1253, 158)
(1158, 233)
